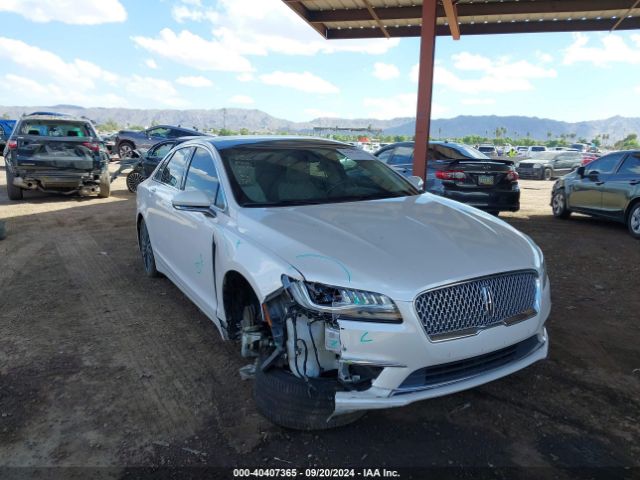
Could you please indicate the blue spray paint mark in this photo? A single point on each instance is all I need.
(365, 338)
(238, 242)
(199, 264)
(331, 259)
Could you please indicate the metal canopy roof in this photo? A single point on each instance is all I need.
(344, 19)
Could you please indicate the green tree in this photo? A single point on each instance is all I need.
(108, 126)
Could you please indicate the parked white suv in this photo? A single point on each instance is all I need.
(349, 288)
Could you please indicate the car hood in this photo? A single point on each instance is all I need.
(398, 247)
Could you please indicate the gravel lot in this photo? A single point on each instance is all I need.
(101, 366)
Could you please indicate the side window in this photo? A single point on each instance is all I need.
(158, 132)
(173, 172)
(173, 133)
(631, 166)
(606, 164)
(203, 176)
(402, 156)
(160, 151)
(385, 156)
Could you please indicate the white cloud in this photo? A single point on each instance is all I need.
(79, 74)
(245, 77)
(156, 89)
(241, 100)
(478, 101)
(385, 71)
(151, 63)
(612, 49)
(501, 75)
(402, 105)
(305, 82)
(194, 51)
(195, 81)
(544, 57)
(182, 14)
(315, 113)
(75, 12)
(637, 89)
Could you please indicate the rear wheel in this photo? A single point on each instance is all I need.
(547, 174)
(125, 150)
(13, 192)
(146, 249)
(633, 221)
(133, 180)
(559, 205)
(105, 185)
(295, 403)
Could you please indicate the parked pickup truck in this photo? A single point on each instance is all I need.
(57, 153)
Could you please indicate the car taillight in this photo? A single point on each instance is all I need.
(94, 147)
(12, 144)
(451, 175)
(513, 176)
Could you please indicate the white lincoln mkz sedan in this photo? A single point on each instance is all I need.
(349, 288)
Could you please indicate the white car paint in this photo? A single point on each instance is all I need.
(398, 247)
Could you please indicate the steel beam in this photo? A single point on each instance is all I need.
(425, 87)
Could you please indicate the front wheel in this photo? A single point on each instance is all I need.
(134, 179)
(125, 150)
(298, 404)
(559, 205)
(633, 221)
(13, 192)
(547, 174)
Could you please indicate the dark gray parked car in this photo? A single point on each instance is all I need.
(548, 165)
(58, 153)
(129, 140)
(608, 187)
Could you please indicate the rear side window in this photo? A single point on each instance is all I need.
(606, 164)
(631, 166)
(173, 171)
(55, 129)
(161, 150)
(385, 156)
(402, 156)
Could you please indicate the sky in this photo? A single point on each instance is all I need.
(259, 54)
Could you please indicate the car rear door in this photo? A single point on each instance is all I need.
(161, 222)
(586, 192)
(620, 187)
(402, 159)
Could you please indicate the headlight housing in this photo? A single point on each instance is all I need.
(342, 302)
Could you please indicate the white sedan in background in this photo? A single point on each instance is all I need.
(350, 289)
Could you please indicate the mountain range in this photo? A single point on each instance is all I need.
(258, 121)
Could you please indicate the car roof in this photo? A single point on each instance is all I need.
(284, 141)
(53, 116)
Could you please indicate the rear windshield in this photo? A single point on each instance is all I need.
(538, 149)
(49, 128)
(449, 151)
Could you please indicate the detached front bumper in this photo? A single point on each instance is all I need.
(416, 368)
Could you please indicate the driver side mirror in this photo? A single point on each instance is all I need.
(580, 172)
(417, 182)
(193, 201)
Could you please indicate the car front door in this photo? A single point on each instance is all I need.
(586, 192)
(197, 235)
(161, 222)
(563, 164)
(402, 159)
(621, 187)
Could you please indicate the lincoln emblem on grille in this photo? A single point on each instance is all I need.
(487, 298)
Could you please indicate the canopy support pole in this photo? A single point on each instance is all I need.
(425, 86)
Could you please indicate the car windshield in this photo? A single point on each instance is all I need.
(486, 149)
(450, 151)
(264, 175)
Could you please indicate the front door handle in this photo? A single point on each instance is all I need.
(634, 182)
(599, 183)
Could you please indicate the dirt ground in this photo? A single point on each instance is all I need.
(103, 367)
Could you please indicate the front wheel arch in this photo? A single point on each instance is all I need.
(238, 294)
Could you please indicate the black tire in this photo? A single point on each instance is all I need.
(13, 192)
(291, 402)
(547, 174)
(146, 250)
(134, 179)
(559, 205)
(125, 150)
(105, 185)
(633, 221)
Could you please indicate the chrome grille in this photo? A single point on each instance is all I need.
(479, 303)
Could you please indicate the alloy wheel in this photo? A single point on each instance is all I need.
(146, 249)
(558, 203)
(635, 221)
(133, 180)
(125, 151)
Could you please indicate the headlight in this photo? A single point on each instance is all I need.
(341, 302)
